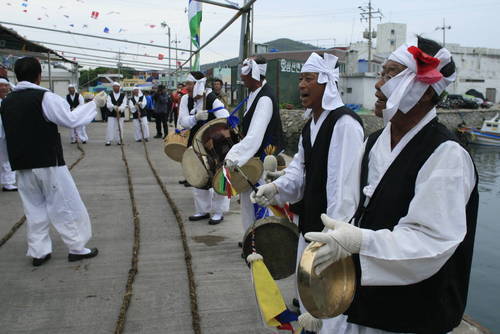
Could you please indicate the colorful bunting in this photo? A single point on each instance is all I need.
(106, 30)
(161, 56)
(94, 15)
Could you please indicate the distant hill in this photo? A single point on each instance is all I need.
(280, 44)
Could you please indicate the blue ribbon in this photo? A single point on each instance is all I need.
(233, 120)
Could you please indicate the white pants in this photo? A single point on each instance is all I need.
(247, 210)
(206, 201)
(49, 196)
(7, 176)
(112, 131)
(79, 133)
(137, 128)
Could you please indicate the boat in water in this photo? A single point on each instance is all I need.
(488, 135)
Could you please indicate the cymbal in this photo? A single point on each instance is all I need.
(331, 293)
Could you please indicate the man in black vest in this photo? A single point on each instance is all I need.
(261, 127)
(137, 106)
(30, 117)
(412, 235)
(317, 178)
(74, 100)
(116, 104)
(192, 115)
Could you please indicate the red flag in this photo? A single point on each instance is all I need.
(94, 15)
(161, 56)
(152, 26)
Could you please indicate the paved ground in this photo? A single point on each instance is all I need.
(61, 297)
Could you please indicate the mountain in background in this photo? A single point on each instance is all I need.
(280, 44)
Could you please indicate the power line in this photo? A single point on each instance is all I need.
(118, 60)
(103, 50)
(92, 36)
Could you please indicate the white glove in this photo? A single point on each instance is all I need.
(340, 241)
(265, 195)
(100, 99)
(269, 176)
(201, 115)
(310, 323)
(230, 164)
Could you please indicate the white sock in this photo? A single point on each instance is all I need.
(217, 216)
(80, 252)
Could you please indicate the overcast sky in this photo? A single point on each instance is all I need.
(474, 23)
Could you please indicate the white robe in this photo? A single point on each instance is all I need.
(249, 146)
(7, 176)
(345, 145)
(49, 195)
(205, 201)
(428, 235)
(79, 133)
(112, 130)
(142, 121)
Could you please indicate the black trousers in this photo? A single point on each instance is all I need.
(161, 118)
(173, 116)
(104, 115)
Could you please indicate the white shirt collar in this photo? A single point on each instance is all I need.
(28, 85)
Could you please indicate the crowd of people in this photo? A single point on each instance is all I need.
(402, 203)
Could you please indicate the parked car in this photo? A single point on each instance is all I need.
(456, 101)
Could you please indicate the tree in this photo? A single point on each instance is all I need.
(89, 77)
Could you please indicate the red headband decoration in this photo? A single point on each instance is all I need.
(426, 66)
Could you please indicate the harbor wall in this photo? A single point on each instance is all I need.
(293, 121)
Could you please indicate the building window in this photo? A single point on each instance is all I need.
(392, 42)
(349, 90)
(393, 31)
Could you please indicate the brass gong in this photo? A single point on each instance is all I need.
(331, 293)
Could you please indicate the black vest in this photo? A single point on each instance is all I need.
(118, 103)
(314, 202)
(73, 103)
(210, 99)
(32, 141)
(136, 114)
(435, 305)
(274, 131)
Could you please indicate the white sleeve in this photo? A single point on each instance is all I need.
(186, 120)
(131, 106)
(109, 104)
(81, 100)
(143, 103)
(291, 185)
(248, 146)
(423, 240)
(57, 110)
(223, 113)
(343, 157)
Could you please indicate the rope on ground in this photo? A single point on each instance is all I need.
(21, 221)
(195, 315)
(122, 317)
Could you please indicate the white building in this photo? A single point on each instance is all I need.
(390, 36)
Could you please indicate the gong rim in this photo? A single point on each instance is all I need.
(331, 293)
(194, 171)
(197, 142)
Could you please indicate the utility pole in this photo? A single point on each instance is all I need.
(176, 72)
(169, 55)
(367, 14)
(246, 43)
(444, 27)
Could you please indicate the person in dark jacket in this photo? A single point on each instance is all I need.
(162, 107)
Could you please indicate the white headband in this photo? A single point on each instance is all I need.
(199, 86)
(327, 73)
(407, 88)
(71, 86)
(257, 69)
(116, 84)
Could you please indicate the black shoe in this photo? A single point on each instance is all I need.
(215, 221)
(157, 136)
(118, 144)
(183, 182)
(138, 140)
(78, 257)
(240, 244)
(146, 140)
(196, 218)
(38, 262)
(187, 185)
(8, 190)
(73, 142)
(108, 144)
(84, 142)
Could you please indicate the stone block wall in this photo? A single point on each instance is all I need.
(293, 122)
